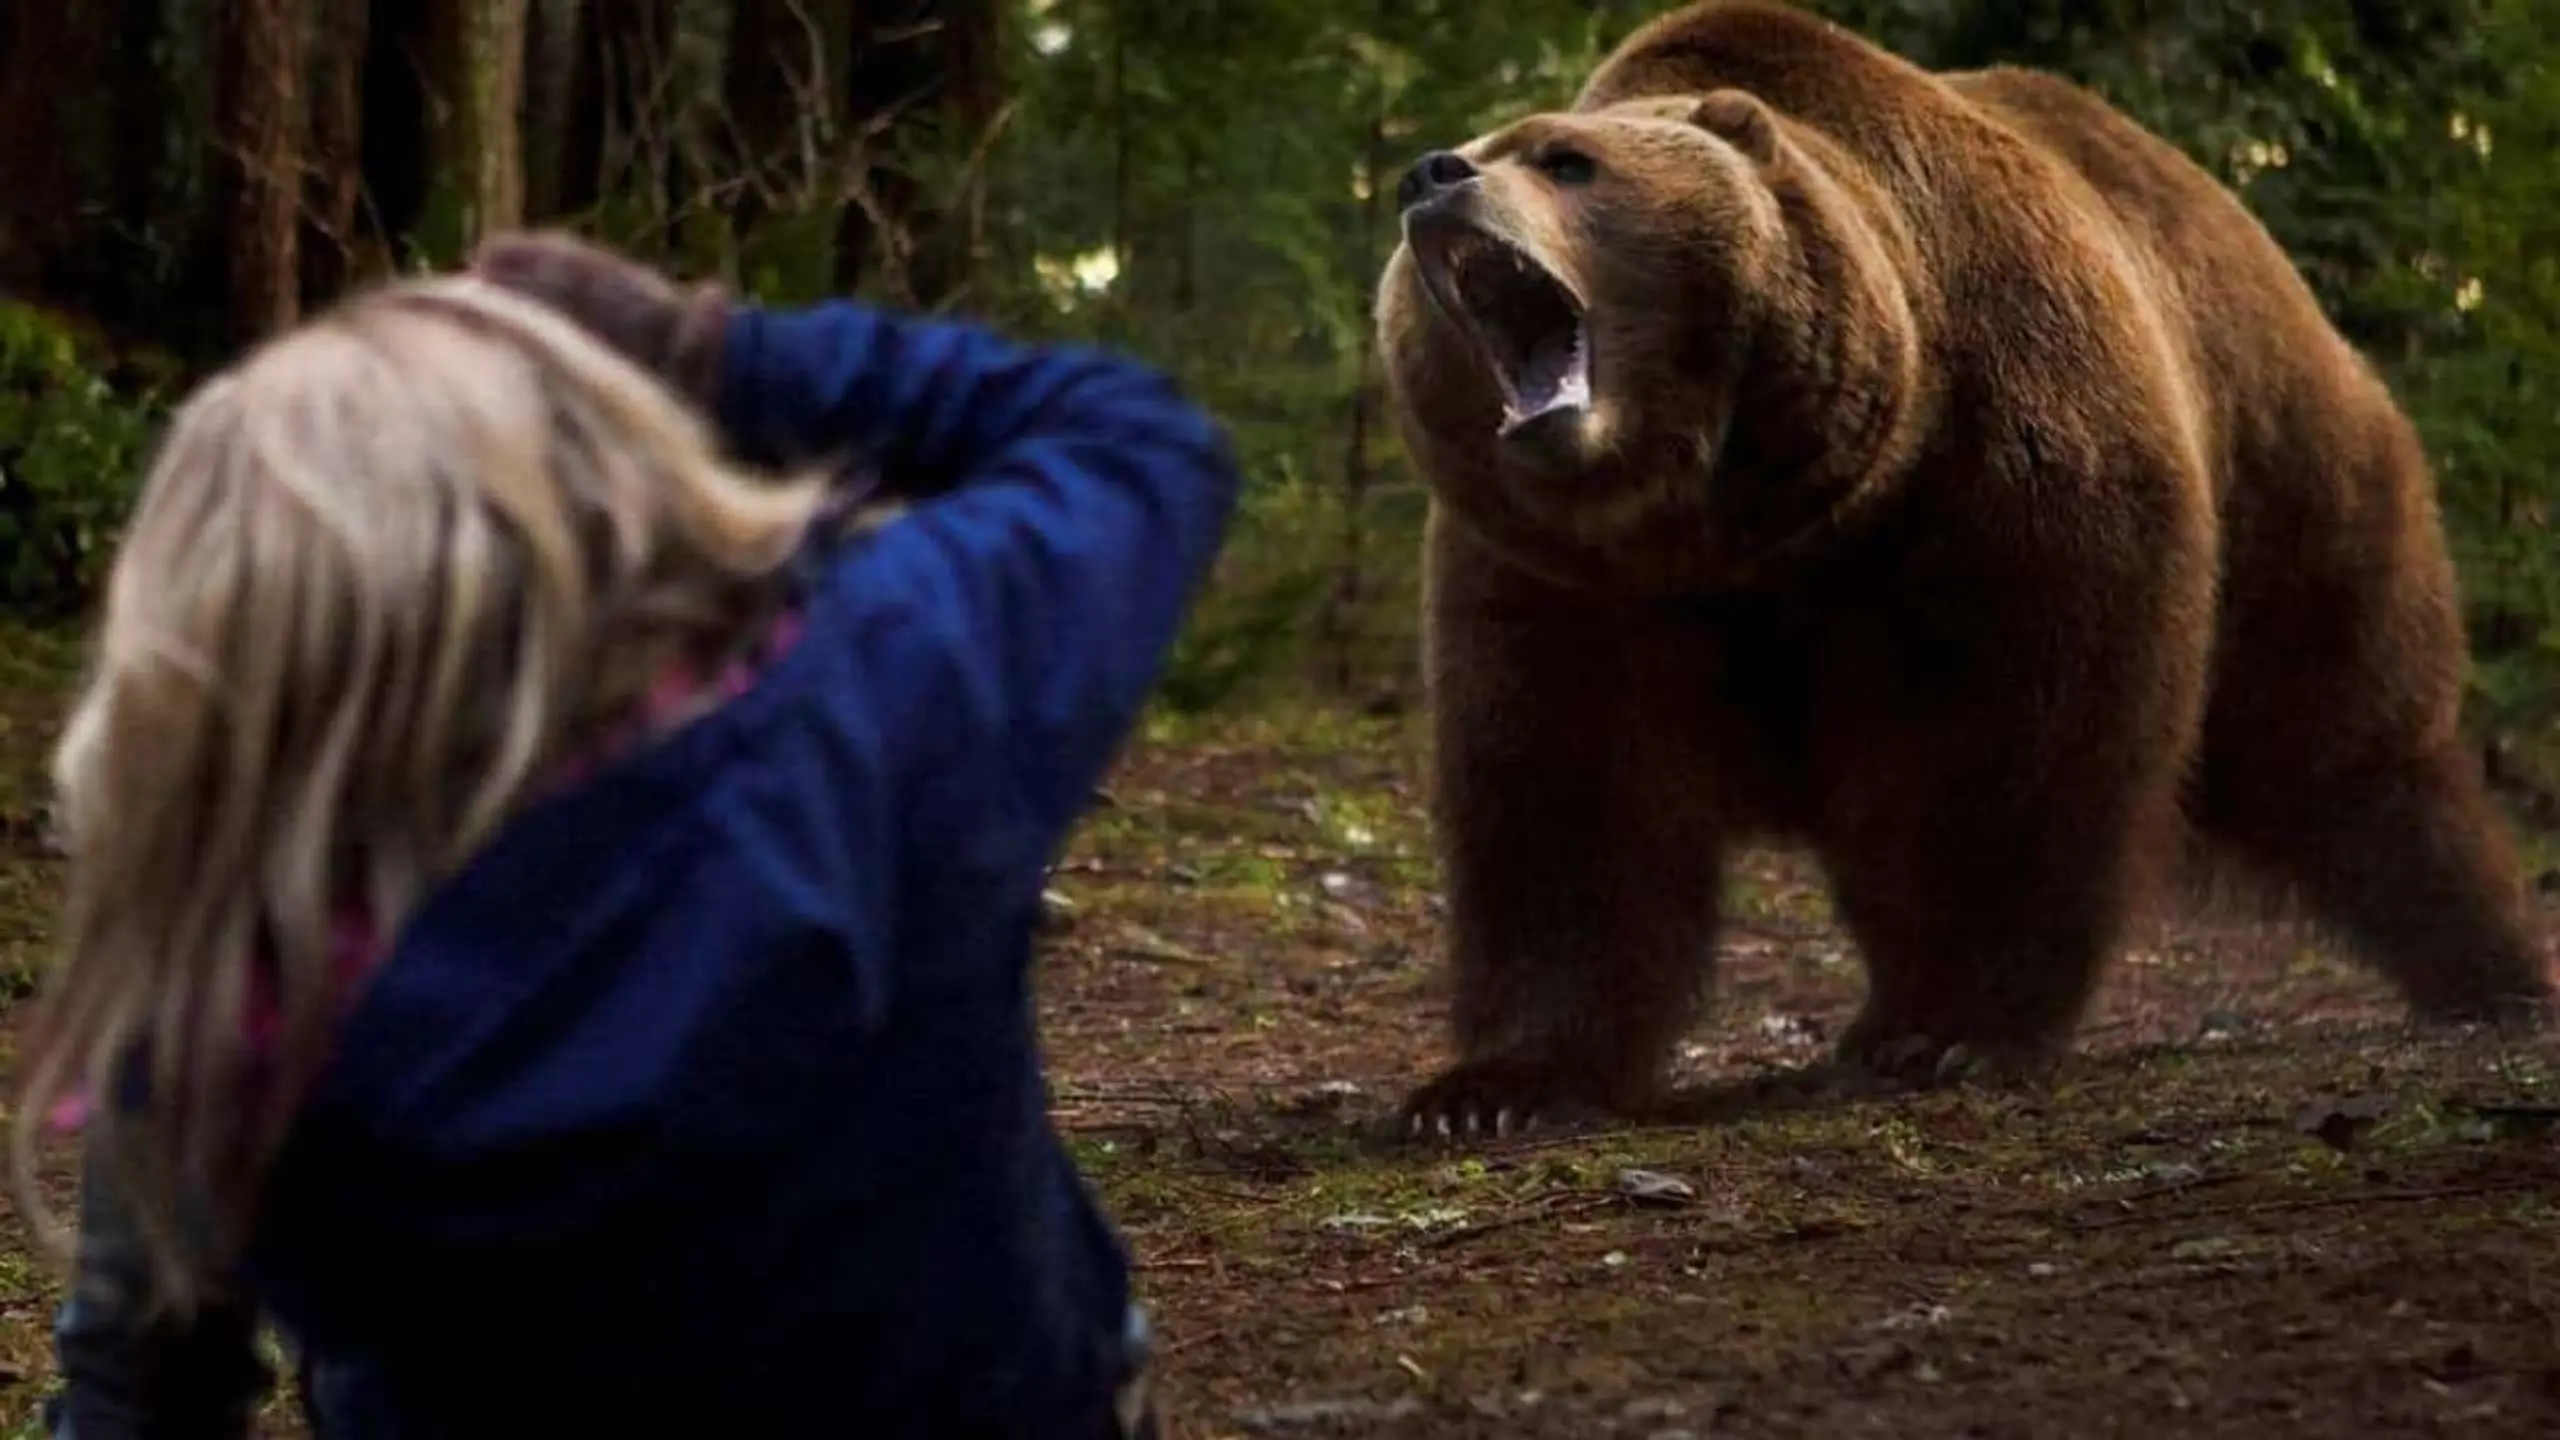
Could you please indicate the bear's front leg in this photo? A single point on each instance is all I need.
(1578, 839)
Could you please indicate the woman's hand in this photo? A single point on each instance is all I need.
(673, 331)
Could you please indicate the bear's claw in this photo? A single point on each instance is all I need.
(1928, 1062)
(1497, 1099)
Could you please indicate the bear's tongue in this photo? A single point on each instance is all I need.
(1532, 334)
(1554, 375)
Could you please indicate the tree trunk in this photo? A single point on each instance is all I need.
(146, 104)
(555, 92)
(893, 72)
(393, 132)
(52, 71)
(618, 153)
(771, 74)
(258, 79)
(1338, 623)
(969, 63)
(337, 150)
(480, 146)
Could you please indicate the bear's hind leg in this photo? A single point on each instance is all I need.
(2000, 779)
(2407, 860)
(1982, 942)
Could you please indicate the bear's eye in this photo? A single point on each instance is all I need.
(1565, 167)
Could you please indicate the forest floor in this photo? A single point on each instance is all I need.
(2252, 1206)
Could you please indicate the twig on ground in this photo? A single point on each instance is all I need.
(2179, 1186)
(1563, 1205)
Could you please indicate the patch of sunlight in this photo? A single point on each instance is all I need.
(1096, 269)
(1068, 279)
(1049, 37)
(2252, 158)
(2463, 128)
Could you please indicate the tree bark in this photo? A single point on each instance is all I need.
(969, 62)
(399, 56)
(261, 49)
(52, 71)
(1339, 620)
(481, 145)
(554, 95)
(930, 71)
(892, 72)
(336, 190)
(770, 71)
(619, 140)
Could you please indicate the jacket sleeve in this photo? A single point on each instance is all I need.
(1022, 611)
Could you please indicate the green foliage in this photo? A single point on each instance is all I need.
(1203, 182)
(1200, 180)
(71, 452)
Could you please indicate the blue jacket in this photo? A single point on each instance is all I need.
(708, 1100)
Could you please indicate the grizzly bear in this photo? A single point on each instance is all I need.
(1938, 471)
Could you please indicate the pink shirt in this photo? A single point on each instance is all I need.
(354, 944)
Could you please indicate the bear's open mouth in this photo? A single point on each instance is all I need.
(1527, 324)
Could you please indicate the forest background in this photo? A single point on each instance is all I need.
(1204, 182)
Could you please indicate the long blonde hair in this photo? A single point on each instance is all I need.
(385, 572)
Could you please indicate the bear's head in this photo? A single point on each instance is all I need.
(1657, 339)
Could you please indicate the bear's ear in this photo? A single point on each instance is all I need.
(1738, 118)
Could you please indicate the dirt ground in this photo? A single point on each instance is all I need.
(2251, 1207)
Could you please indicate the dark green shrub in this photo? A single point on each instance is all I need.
(72, 447)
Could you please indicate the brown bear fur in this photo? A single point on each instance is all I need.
(1969, 488)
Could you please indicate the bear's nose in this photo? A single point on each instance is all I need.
(1440, 170)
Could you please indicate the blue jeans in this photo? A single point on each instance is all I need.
(129, 1376)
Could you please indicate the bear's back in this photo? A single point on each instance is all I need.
(2251, 326)
(1996, 169)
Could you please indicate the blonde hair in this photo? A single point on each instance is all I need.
(385, 572)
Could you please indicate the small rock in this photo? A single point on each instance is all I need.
(1327, 1098)
(1647, 1187)
(1057, 913)
(1354, 1223)
(1916, 1317)
(1349, 889)
(1137, 942)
